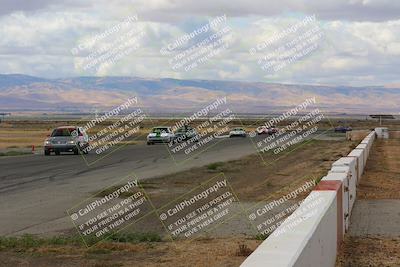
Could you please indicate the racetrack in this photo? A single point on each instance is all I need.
(36, 190)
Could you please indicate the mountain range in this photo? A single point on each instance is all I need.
(81, 94)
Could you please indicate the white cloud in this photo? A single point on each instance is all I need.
(38, 40)
(343, 64)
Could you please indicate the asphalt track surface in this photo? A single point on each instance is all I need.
(37, 190)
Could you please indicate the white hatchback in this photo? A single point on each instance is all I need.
(240, 132)
(160, 134)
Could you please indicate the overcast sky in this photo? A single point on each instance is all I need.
(359, 41)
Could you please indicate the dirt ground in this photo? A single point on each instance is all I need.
(381, 180)
(253, 178)
(207, 252)
(369, 251)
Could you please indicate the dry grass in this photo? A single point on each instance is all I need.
(251, 178)
(204, 252)
(369, 251)
(381, 179)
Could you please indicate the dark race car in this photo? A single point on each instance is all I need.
(343, 129)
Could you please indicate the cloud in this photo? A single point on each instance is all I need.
(360, 43)
(173, 10)
(352, 10)
(10, 6)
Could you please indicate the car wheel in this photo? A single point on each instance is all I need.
(76, 151)
(57, 152)
(46, 152)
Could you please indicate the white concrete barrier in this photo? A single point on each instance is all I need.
(351, 185)
(315, 239)
(367, 142)
(343, 175)
(350, 162)
(358, 154)
(382, 132)
(312, 242)
(364, 148)
(373, 135)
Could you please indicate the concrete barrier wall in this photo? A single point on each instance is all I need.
(382, 132)
(312, 242)
(348, 165)
(364, 149)
(361, 153)
(358, 154)
(342, 175)
(316, 239)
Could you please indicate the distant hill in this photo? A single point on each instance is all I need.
(22, 92)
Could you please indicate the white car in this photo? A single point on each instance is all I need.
(237, 132)
(160, 134)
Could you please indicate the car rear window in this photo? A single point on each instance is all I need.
(62, 132)
(160, 130)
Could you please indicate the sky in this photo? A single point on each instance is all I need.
(336, 42)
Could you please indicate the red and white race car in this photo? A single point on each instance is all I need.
(266, 130)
